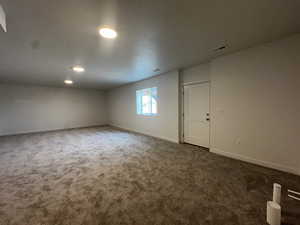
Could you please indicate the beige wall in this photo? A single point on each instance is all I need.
(122, 107)
(26, 109)
(255, 105)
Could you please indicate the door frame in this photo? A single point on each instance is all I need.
(182, 109)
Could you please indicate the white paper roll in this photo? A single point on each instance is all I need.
(273, 213)
(277, 193)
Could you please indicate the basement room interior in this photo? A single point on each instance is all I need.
(135, 112)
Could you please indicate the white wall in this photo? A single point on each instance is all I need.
(255, 105)
(26, 109)
(199, 73)
(122, 107)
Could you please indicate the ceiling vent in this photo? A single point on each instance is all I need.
(220, 48)
(2, 19)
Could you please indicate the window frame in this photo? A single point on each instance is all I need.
(139, 104)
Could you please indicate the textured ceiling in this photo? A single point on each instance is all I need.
(46, 37)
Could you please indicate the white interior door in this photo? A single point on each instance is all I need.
(196, 114)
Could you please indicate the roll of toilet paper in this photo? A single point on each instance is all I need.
(277, 193)
(273, 213)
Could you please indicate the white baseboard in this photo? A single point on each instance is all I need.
(49, 130)
(256, 161)
(145, 133)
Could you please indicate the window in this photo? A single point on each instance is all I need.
(146, 101)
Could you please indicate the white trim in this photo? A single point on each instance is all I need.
(181, 113)
(183, 138)
(195, 82)
(144, 133)
(51, 130)
(256, 161)
(294, 192)
(293, 197)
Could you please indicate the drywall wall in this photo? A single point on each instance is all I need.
(122, 107)
(199, 73)
(26, 109)
(255, 105)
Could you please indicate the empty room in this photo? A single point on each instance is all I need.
(140, 112)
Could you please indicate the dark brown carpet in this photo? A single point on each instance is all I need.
(100, 176)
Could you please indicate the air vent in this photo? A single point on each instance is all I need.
(220, 48)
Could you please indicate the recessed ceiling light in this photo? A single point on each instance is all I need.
(108, 33)
(78, 69)
(68, 82)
